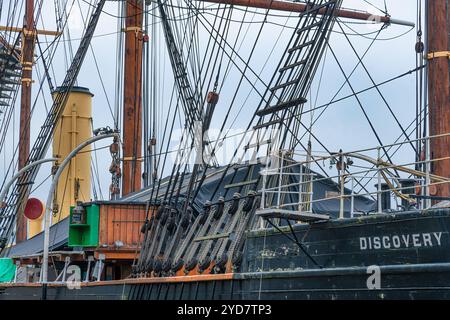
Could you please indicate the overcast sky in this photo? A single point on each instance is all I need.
(342, 126)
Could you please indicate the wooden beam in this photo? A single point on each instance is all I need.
(27, 31)
(117, 254)
(301, 7)
(25, 107)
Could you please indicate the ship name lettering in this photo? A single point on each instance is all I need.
(416, 240)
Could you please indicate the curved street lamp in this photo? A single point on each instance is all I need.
(48, 207)
(8, 185)
(19, 173)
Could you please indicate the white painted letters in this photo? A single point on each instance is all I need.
(416, 240)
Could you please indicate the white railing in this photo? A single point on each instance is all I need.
(287, 175)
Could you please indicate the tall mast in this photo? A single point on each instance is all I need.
(132, 98)
(25, 101)
(438, 28)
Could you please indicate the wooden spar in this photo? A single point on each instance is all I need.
(438, 20)
(25, 103)
(132, 98)
(37, 31)
(301, 7)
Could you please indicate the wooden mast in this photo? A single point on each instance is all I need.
(132, 98)
(25, 102)
(438, 19)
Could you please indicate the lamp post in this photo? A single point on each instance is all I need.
(8, 185)
(48, 207)
(19, 173)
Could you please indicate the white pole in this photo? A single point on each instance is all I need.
(300, 188)
(380, 208)
(311, 191)
(352, 202)
(90, 259)
(341, 202)
(66, 265)
(100, 269)
(16, 176)
(263, 192)
(280, 180)
(19, 173)
(17, 270)
(342, 186)
(48, 207)
(428, 170)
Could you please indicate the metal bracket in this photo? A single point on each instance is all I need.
(438, 54)
(27, 80)
(136, 30)
(27, 32)
(132, 159)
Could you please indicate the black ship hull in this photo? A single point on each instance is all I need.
(425, 281)
(391, 256)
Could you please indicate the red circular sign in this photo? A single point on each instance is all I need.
(33, 209)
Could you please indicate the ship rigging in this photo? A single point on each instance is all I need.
(204, 206)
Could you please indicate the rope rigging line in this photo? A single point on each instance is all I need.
(177, 61)
(102, 83)
(51, 55)
(207, 25)
(412, 123)
(196, 166)
(293, 136)
(42, 142)
(358, 181)
(247, 129)
(231, 104)
(259, 74)
(360, 104)
(378, 90)
(207, 69)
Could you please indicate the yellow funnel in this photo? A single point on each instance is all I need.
(35, 227)
(74, 127)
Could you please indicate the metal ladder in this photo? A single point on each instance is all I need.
(10, 73)
(290, 84)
